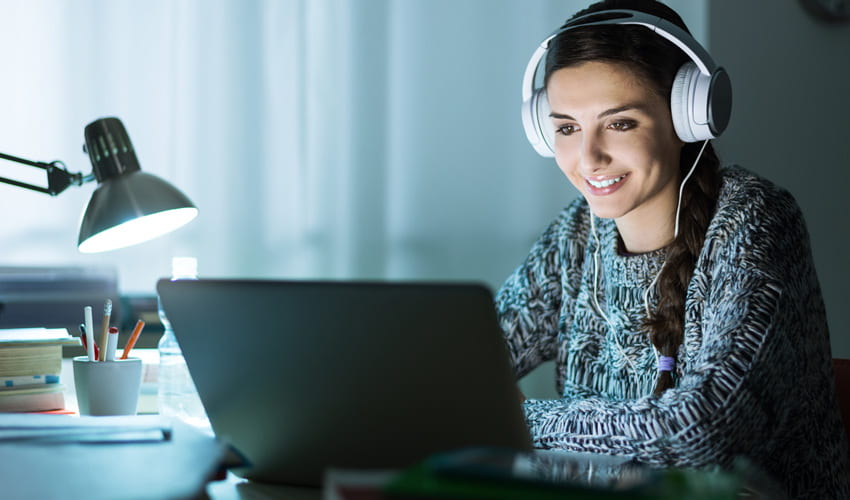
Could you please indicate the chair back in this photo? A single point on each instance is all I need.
(842, 388)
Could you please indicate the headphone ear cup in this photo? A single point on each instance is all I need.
(699, 103)
(544, 122)
(681, 104)
(537, 125)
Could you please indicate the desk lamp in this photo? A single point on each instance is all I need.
(129, 206)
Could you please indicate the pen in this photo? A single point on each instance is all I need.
(89, 334)
(104, 332)
(133, 338)
(112, 343)
(86, 343)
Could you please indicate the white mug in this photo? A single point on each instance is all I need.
(107, 387)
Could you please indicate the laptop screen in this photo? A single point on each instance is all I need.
(303, 375)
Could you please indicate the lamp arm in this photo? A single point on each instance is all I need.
(58, 177)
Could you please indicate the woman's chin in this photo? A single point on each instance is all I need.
(605, 212)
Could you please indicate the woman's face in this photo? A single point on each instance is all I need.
(614, 140)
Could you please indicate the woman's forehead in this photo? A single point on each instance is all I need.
(598, 84)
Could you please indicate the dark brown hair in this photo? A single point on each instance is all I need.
(655, 60)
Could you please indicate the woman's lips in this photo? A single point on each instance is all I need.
(604, 185)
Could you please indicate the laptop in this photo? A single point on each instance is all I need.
(301, 376)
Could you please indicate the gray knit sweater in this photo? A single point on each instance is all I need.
(753, 378)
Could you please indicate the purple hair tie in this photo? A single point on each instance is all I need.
(666, 363)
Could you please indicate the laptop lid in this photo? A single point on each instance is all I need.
(300, 376)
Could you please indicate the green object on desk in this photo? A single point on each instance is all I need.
(420, 482)
(504, 474)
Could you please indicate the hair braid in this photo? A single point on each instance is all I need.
(666, 324)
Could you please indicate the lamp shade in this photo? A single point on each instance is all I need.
(130, 209)
(129, 206)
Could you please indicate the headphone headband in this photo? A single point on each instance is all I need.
(701, 101)
(659, 25)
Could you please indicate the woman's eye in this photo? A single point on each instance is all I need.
(566, 129)
(623, 125)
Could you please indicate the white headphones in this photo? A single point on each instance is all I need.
(700, 101)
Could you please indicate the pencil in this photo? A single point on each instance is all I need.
(83, 338)
(133, 338)
(104, 331)
(112, 347)
(90, 347)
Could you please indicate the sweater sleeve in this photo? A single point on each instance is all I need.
(531, 302)
(703, 420)
(729, 398)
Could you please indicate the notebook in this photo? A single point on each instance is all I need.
(301, 376)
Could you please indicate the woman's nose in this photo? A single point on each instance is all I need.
(593, 155)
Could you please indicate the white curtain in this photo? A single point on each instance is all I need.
(319, 138)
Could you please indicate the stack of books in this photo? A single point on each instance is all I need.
(30, 369)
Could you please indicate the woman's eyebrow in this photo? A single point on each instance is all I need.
(620, 109)
(607, 112)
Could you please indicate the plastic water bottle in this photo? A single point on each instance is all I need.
(176, 392)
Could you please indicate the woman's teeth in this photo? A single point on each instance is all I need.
(605, 183)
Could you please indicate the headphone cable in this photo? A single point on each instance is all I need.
(654, 280)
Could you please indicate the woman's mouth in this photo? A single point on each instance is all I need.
(604, 185)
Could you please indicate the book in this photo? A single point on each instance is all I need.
(30, 368)
(84, 429)
(105, 458)
(32, 399)
(30, 336)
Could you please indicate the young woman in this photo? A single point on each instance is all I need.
(679, 299)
